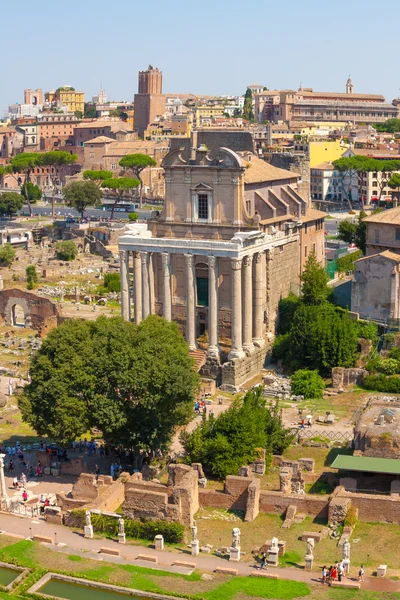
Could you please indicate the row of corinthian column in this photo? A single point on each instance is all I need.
(247, 314)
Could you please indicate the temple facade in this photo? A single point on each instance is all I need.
(224, 250)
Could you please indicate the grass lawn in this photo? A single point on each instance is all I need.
(41, 559)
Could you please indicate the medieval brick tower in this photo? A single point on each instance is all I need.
(149, 101)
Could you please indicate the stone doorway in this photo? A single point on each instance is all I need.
(202, 301)
(17, 316)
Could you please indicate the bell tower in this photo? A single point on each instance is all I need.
(349, 86)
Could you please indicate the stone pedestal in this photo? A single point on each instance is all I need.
(88, 531)
(282, 547)
(195, 547)
(234, 554)
(122, 538)
(309, 562)
(381, 572)
(159, 542)
(273, 554)
(346, 566)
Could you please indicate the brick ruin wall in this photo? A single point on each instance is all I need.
(39, 313)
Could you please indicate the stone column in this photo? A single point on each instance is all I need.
(4, 494)
(152, 300)
(190, 302)
(124, 269)
(144, 257)
(236, 309)
(137, 274)
(166, 272)
(248, 303)
(258, 338)
(213, 307)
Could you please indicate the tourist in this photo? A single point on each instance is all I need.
(263, 560)
(361, 574)
(11, 466)
(330, 575)
(112, 470)
(340, 572)
(23, 479)
(334, 573)
(101, 451)
(324, 574)
(24, 495)
(97, 471)
(15, 482)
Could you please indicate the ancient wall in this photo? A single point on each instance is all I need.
(283, 269)
(276, 502)
(342, 377)
(39, 313)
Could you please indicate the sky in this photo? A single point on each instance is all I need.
(208, 47)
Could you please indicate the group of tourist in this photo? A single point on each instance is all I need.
(90, 447)
(337, 571)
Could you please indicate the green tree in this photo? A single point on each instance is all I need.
(225, 443)
(322, 337)
(136, 163)
(66, 250)
(286, 309)
(386, 168)
(394, 181)
(90, 111)
(389, 126)
(248, 112)
(307, 383)
(31, 276)
(133, 216)
(10, 203)
(361, 234)
(120, 186)
(347, 231)
(112, 282)
(31, 190)
(345, 264)
(7, 255)
(97, 176)
(58, 161)
(25, 163)
(78, 114)
(81, 194)
(136, 383)
(354, 167)
(314, 280)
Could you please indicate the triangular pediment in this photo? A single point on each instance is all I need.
(201, 186)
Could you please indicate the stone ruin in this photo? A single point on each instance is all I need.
(377, 431)
(279, 386)
(342, 377)
(291, 477)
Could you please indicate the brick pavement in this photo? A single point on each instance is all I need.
(76, 543)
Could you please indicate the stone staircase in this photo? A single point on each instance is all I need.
(199, 357)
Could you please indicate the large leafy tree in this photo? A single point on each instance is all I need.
(347, 231)
(119, 187)
(314, 280)
(389, 126)
(25, 163)
(10, 203)
(31, 190)
(136, 383)
(97, 176)
(394, 181)
(7, 255)
(354, 167)
(4, 170)
(136, 163)
(225, 443)
(248, 112)
(57, 161)
(81, 194)
(322, 337)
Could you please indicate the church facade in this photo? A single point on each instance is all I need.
(228, 244)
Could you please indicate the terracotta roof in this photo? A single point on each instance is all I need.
(259, 170)
(391, 217)
(387, 254)
(341, 95)
(312, 215)
(273, 220)
(104, 123)
(101, 139)
(324, 166)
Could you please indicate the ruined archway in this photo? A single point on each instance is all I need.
(17, 316)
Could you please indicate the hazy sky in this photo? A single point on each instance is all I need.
(205, 47)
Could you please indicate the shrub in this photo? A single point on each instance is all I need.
(351, 517)
(380, 383)
(387, 366)
(308, 384)
(281, 347)
(287, 307)
(366, 330)
(31, 276)
(112, 282)
(66, 250)
(345, 264)
(7, 254)
(173, 533)
(395, 353)
(133, 216)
